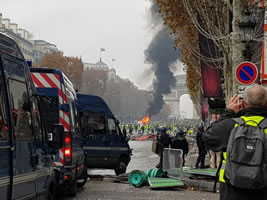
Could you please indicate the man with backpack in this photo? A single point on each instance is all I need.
(241, 135)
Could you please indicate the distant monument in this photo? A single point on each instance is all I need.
(173, 99)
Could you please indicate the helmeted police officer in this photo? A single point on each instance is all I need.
(164, 141)
(180, 142)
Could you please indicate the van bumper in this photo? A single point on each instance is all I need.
(67, 174)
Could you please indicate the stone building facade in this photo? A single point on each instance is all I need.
(32, 50)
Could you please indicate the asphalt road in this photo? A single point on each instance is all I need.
(110, 188)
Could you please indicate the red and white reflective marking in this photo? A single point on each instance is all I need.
(61, 155)
(57, 164)
(49, 80)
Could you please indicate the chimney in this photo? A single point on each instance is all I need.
(0, 20)
(21, 32)
(26, 35)
(6, 22)
(14, 28)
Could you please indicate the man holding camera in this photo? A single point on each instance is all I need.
(241, 117)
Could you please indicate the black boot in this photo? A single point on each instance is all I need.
(196, 166)
(158, 165)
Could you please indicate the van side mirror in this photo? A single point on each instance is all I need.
(117, 121)
(64, 107)
(56, 138)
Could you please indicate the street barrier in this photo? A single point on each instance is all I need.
(153, 173)
(172, 159)
(138, 178)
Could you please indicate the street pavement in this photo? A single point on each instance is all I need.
(108, 186)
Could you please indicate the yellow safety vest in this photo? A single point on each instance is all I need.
(252, 120)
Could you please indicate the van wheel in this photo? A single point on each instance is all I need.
(73, 188)
(83, 179)
(120, 168)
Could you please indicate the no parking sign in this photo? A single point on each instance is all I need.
(246, 73)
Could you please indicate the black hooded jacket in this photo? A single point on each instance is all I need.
(200, 142)
(217, 134)
(179, 142)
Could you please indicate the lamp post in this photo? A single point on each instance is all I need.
(247, 26)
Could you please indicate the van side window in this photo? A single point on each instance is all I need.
(3, 117)
(14, 69)
(72, 117)
(20, 108)
(112, 128)
(96, 121)
(36, 122)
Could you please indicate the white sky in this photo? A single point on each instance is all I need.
(82, 27)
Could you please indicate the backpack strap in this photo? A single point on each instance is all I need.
(239, 121)
(263, 123)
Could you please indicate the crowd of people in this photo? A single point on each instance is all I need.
(236, 144)
(173, 136)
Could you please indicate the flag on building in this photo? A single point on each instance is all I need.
(102, 49)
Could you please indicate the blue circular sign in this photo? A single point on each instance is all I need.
(246, 73)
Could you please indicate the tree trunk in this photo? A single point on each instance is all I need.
(237, 46)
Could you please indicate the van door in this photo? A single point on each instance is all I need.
(5, 144)
(96, 140)
(116, 141)
(41, 159)
(24, 166)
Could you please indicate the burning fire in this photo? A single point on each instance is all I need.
(146, 119)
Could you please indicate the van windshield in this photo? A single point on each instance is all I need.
(50, 111)
(95, 121)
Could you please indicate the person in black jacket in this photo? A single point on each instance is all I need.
(163, 142)
(216, 137)
(201, 148)
(180, 142)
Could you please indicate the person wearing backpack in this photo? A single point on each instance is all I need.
(241, 135)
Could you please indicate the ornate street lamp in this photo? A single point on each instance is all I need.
(247, 26)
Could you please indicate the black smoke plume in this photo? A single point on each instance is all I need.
(161, 54)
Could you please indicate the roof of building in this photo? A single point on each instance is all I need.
(101, 63)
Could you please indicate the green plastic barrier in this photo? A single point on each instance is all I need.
(137, 178)
(153, 173)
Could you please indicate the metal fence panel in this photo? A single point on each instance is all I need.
(172, 159)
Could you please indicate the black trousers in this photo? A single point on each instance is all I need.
(201, 157)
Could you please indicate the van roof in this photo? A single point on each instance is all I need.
(63, 77)
(93, 103)
(45, 70)
(9, 46)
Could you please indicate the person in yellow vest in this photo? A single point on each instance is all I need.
(216, 137)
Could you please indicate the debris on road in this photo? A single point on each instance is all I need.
(145, 137)
(156, 178)
(138, 178)
(164, 182)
